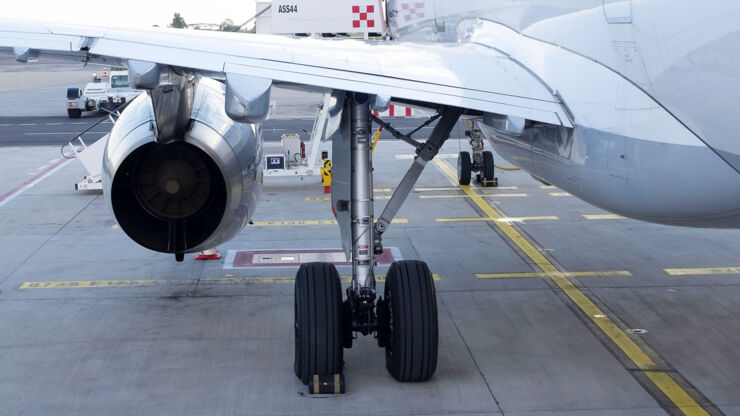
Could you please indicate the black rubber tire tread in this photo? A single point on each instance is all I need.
(412, 353)
(318, 321)
(74, 113)
(488, 169)
(464, 168)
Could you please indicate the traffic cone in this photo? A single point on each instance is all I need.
(105, 72)
(211, 254)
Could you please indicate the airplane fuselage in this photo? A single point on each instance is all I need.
(649, 85)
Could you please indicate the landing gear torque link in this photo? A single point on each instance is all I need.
(404, 319)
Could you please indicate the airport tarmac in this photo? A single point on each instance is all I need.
(547, 305)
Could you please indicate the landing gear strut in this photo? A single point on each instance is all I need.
(404, 319)
(481, 162)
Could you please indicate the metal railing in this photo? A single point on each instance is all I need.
(73, 149)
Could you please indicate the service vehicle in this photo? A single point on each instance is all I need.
(100, 95)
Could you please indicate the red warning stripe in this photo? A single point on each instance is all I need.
(30, 181)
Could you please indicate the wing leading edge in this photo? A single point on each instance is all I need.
(461, 75)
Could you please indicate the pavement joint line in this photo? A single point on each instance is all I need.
(595, 273)
(664, 382)
(504, 219)
(309, 223)
(603, 217)
(703, 271)
(132, 283)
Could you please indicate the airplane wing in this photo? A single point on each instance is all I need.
(462, 75)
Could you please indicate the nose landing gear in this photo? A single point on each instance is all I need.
(482, 162)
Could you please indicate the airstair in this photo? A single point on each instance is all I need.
(91, 156)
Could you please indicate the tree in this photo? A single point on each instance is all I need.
(229, 26)
(178, 22)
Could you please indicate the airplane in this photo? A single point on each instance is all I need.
(626, 104)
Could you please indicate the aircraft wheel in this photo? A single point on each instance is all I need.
(318, 321)
(489, 178)
(464, 167)
(74, 112)
(411, 302)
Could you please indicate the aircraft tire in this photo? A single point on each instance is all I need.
(464, 168)
(74, 113)
(411, 300)
(489, 174)
(318, 321)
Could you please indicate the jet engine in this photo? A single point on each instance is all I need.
(191, 192)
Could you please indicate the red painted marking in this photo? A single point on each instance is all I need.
(391, 110)
(371, 9)
(355, 23)
(355, 9)
(244, 258)
(371, 23)
(408, 112)
(8, 194)
(363, 16)
(203, 257)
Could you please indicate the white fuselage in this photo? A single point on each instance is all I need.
(649, 84)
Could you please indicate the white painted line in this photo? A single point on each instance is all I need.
(14, 193)
(26, 124)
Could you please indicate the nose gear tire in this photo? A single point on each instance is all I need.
(464, 168)
(411, 302)
(488, 170)
(318, 321)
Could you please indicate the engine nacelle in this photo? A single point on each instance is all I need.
(192, 193)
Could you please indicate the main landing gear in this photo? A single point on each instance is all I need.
(404, 319)
(481, 162)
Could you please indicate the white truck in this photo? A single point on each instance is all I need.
(101, 96)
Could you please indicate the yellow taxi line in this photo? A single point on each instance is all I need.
(503, 219)
(670, 388)
(498, 188)
(703, 271)
(328, 198)
(542, 274)
(309, 223)
(468, 196)
(603, 217)
(124, 283)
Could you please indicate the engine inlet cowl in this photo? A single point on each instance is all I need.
(170, 197)
(191, 193)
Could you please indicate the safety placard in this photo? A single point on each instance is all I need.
(327, 16)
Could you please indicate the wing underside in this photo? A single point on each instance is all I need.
(461, 75)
